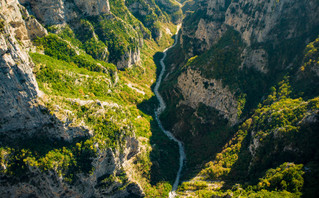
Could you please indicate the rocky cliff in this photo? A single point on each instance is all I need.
(20, 113)
(257, 21)
(59, 11)
(125, 51)
(197, 90)
(23, 116)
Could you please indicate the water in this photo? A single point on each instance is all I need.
(158, 112)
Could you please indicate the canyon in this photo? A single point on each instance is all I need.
(100, 99)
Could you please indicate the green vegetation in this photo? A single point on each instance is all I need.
(154, 13)
(65, 161)
(311, 54)
(306, 82)
(52, 72)
(55, 47)
(172, 9)
(111, 32)
(58, 48)
(276, 143)
(287, 176)
(283, 112)
(222, 60)
(224, 161)
(153, 16)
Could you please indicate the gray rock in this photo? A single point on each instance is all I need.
(93, 7)
(192, 86)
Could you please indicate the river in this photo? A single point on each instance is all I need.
(158, 112)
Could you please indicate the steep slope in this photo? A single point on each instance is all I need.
(230, 55)
(70, 121)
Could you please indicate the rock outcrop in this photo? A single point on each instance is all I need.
(257, 20)
(197, 89)
(61, 11)
(19, 112)
(93, 7)
(51, 12)
(130, 58)
(264, 28)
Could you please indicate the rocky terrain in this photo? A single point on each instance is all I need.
(20, 113)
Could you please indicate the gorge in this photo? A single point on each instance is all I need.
(162, 108)
(99, 98)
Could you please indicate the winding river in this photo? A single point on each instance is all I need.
(159, 110)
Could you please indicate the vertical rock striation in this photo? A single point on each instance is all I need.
(19, 112)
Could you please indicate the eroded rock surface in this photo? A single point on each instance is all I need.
(196, 89)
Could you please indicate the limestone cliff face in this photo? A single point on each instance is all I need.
(265, 27)
(60, 11)
(197, 89)
(131, 57)
(93, 8)
(257, 21)
(21, 113)
(19, 110)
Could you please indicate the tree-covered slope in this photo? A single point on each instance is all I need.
(277, 144)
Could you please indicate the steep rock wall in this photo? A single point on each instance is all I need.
(60, 11)
(19, 90)
(257, 21)
(267, 28)
(93, 8)
(196, 89)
